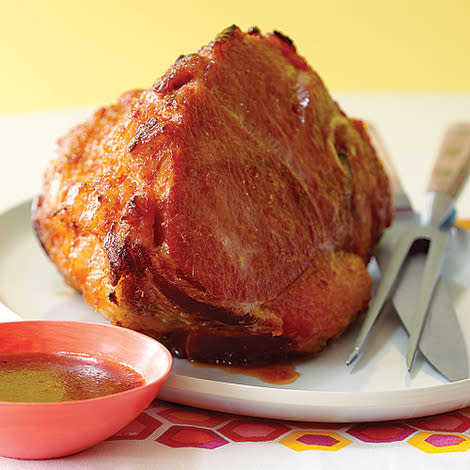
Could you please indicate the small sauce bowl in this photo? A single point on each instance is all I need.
(34, 430)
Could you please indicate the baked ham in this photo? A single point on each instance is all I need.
(229, 211)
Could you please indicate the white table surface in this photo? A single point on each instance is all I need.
(411, 124)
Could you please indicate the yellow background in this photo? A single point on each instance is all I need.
(56, 54)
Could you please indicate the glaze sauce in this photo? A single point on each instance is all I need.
(47, 377)
(276, 374)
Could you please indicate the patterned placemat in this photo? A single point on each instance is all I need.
(179, 426)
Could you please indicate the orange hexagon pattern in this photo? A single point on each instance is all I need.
(433, 443)
(315, 440)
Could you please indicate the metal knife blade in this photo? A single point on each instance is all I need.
(442, 341)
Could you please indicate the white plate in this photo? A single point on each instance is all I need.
(379, 388)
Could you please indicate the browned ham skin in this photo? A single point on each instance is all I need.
(229, 210)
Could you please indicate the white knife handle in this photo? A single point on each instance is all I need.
(379, 146)
(452, 164)
(7, 315)
(401, 199)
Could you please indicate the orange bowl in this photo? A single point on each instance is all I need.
(48, 430)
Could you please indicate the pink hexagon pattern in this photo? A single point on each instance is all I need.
(317, 440)
(178, 426)
(382, 432)
(137, 430)
(252, 431)
(315, 425)
(191, 436)
(442, 440)
(300, 441)
(180, 415)
(449, 422)
(435, 443)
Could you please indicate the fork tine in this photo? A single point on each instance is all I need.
(383, 292)
(431, 274)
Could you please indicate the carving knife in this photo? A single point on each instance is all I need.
(441, 341)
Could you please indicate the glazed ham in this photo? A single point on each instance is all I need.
(229, 211)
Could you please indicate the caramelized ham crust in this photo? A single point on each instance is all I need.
(229, 210)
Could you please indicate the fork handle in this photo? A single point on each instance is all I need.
(452, 164)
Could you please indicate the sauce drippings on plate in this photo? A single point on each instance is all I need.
(48, 377)
(276, 374)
